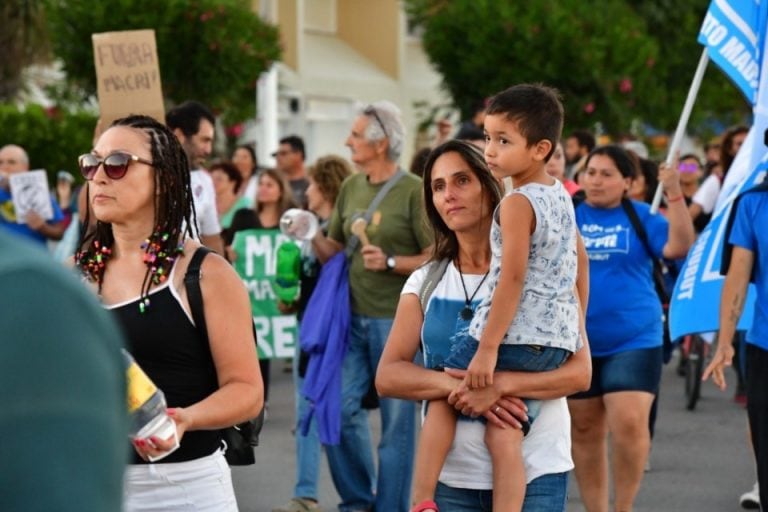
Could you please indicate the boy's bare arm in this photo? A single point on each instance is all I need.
(517, 222)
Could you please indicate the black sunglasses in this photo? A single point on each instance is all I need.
(371, 111)
(115, 165)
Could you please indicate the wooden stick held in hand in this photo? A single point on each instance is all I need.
(358, 229)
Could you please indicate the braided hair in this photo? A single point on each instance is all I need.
(174, 213)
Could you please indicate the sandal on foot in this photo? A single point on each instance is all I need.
(425, 505)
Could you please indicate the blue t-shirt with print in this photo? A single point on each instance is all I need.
(624, 311)
(750, 216)
(444, 319)
(8, 218)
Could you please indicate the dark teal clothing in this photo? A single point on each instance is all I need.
(63, 418)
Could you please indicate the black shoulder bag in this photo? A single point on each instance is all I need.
(243, 437)
(659, 270)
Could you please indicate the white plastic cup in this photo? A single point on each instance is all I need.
(299, 224)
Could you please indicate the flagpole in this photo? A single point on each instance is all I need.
(682, 124)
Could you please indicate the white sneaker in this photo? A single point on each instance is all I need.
(751, 499)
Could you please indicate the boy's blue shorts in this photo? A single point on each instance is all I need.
(521, 358)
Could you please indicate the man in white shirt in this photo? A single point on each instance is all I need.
(193, 125)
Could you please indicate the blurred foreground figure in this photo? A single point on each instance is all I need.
(62, 390)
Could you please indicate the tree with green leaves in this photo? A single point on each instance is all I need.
(615, 62)
(24, 41)
(209, 50)
(53, 138)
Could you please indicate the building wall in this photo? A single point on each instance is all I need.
(348, 53)
(373, 29)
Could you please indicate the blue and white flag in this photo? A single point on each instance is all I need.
(695, 304)
(733, 32)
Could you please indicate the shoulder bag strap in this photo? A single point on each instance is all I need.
(434, 275)
(353, 241)
(658, 268)
(194, 293)
(249, 430)
(629, 209)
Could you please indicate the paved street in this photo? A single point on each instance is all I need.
(700, 460)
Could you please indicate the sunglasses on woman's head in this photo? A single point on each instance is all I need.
(115, 164)
(688, 167)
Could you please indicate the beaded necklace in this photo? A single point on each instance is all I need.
(159, 261)
(157, 257)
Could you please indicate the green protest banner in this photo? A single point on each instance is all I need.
(255, 264)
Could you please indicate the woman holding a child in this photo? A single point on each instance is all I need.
(460, 198)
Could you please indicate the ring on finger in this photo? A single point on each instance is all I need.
(497, 409)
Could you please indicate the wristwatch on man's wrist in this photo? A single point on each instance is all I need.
(390, 262)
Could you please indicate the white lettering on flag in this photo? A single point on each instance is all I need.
(737, 21)
(733, 34)
(688, 279)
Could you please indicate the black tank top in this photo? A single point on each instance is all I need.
(167, 346)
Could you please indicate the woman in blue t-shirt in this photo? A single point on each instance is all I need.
(624, 323)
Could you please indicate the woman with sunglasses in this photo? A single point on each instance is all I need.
(136, 256)
(690, 175)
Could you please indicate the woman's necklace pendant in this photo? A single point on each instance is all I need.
(466, 313)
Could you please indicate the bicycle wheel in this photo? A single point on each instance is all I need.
(694, 370)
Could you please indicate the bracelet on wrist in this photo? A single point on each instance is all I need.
(676, 198)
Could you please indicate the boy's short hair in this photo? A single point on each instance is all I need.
(535, 108)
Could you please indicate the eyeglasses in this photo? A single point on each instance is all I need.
(371, 111)
(683, 167)
(115, 164)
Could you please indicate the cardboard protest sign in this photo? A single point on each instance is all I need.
(128, 75)
(256, 265)
(29, 191)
